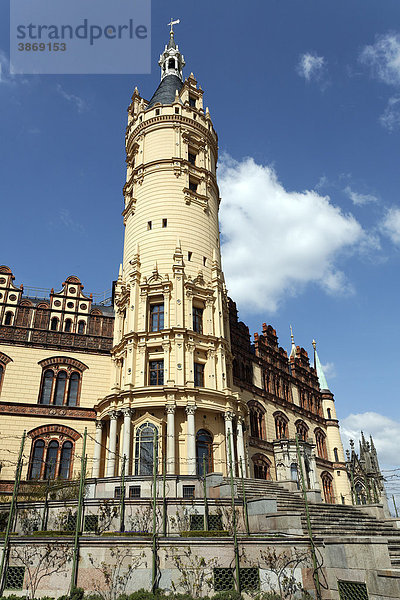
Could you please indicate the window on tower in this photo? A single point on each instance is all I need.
(157, 317)
(164, 222)
(192, 101)
(198, 374)
(193, 185)
(192, 158)
(149, 225)
(156, 372)
(197, 319)
(189, 255)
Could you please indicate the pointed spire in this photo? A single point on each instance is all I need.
(120, 272)
(323, 384)
(293, 349)
(171, 60)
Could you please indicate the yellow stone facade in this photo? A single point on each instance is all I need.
(175, 366)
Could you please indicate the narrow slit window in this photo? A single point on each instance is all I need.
(189, 255)
(204, 261)
(164, 222)
(149, 225)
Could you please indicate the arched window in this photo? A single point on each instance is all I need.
(328, 410)
(81, 327)
(61, 381)
(320, 440)
(294, 474)
(47, 387)
(262, 467)
(361, 495)
(257, 420)
(36, 460)
(281, 426)
(327, 487)
(336, 454)
(24, 314)
(65, 460)
(42, 317)
(8, 318)
(68, 325)
(95, 322)
(54, 324)
(146, 439)
(171, 63)
(302, 431)
(59, 393)
(73, 389)
(204, 451)
(51, 460)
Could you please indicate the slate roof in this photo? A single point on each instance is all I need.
(165, 93)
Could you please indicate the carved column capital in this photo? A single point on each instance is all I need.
(99, 424)
(228, 416)
(128, 412)
(113, 414)
(170, 409)
(191, 409)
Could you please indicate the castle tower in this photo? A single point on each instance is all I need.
(334, 441)
(171, 376)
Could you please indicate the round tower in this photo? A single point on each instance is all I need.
(171, 358)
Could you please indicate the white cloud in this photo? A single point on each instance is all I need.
(390, 225)
(311, 66)
(385, 433)
(390, 118)
(329, 370)
(359, 199)
(383, 57)
(79, 103)
(277, 241)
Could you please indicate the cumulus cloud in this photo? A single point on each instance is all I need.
(390, 225)
(359, 199)
(78, 102)
(383, 58)
(390, 118)
(311, 66)
(385, 433)
(329, 370)
(277, 241)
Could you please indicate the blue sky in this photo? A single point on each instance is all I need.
(305, 96)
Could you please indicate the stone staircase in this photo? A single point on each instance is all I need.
(326, 519)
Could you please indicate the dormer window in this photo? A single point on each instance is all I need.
(171, 63)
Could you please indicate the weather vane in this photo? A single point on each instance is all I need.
(171, 23)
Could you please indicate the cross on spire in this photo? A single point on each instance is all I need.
(172, 23)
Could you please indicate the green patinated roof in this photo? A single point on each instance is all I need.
(323, 384)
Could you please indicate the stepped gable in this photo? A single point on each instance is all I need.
(302, 370)
(241, 348)
(267, 348)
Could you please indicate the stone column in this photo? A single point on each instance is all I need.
(126, 444)
(112, 444)
(97, 449)
(228, 416)
(191, 440)
(240, 447)
(170, 439)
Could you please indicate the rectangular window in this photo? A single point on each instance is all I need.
(224, 579)
(249, 578)
(352, 589)
(192, 158)
(188, 491)
(204, 261)
(156, 372)
(215, 523)
(198, 375)
(91, 523)
(192, 185)
(196, 522)
(192, 101)
(197, 319)
(189, 255)
(15, 578)
(156, 317)
(134, 491)
(164, 222)
(117, 492)
(149, 225)
(176, 110)
(157, 111)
